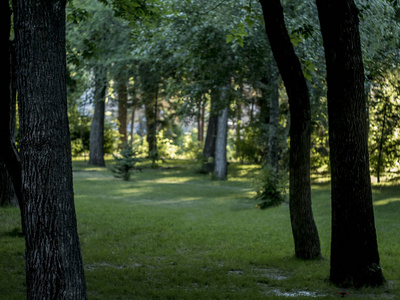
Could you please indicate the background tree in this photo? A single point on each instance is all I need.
(10, 165)
(54, 266)
(354, 249)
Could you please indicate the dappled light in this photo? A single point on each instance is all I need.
(386, 201)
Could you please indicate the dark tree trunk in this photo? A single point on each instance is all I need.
(272, 157)
(209, 144)
(96, 154)
(305, 234)
(151, 121)
(354, 249)
(7, 193)
(9, 158)
(380, 149)
(54, 267)
(200, 121)
(122, 110)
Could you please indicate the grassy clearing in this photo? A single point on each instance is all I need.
(172, 233)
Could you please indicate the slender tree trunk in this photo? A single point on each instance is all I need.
(381, 141)
(264, 119)
(9, 157)
(151, 121)
(209, 145)
(54, 268)
(122, 110)
(7, 193)
(305, 234)
(133, 124)
(220, 167)
(96, 154)
(200, 121)
(273, 158)
(354, 249)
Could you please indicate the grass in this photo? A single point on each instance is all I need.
(171, 233)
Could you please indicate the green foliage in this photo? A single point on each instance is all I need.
(125, 162)
(80, 135)
(271, 187)
(384, 141)
(247, 148)
(190, 147)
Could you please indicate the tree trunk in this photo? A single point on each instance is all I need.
(9, 158)
(220, 167)
(200, 121)
(272, 157)
(7, 193)
(122, 110)
(381, 142)
(96, 154)
(133, 124)
(151, 122)
(54, 267)
(305, 234)
(209, 145)
(354, 249)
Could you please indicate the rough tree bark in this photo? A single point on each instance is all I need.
(96, 146)
(354, 249)
(305, 234)
(54, 267)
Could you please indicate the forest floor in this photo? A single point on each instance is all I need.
(172, 233)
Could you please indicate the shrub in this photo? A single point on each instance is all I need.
(125, 162)
(271, 188)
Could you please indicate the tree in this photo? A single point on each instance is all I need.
(54, 268)
(10, 165)
(7, 194)
(307, 245)
(122, 90)
(354, 249)
(96, 156)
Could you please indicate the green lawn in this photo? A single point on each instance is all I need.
(172, 233)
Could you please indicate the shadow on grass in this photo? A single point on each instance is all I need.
(16, 232)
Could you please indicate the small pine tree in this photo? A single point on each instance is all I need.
(270, 187)
(125, 162)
